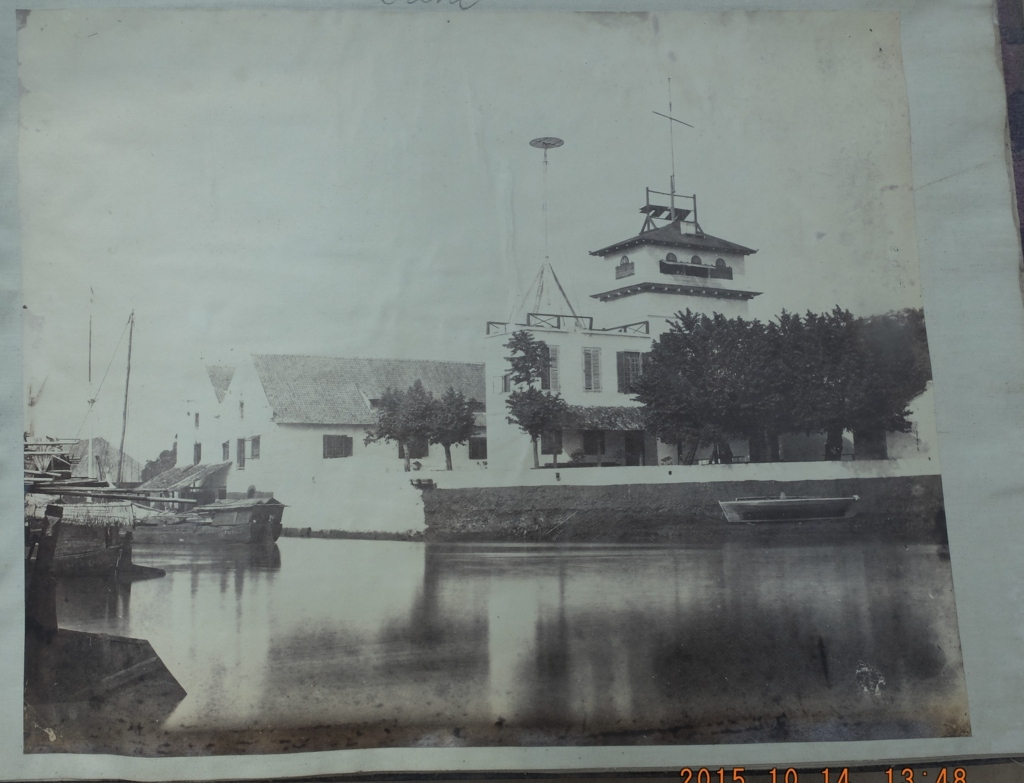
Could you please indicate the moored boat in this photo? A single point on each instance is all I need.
(788, 509)
(245, 521)
(94, 539)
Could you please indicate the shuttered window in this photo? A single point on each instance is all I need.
(225, 451)
(240, 454)
(337, 446)
(628, 365)
(197, 453)
(592, 369)
(254, 450)
(549, 375)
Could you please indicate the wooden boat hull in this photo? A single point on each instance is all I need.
(255, 523)
(788, 509)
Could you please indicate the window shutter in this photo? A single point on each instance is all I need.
(620, 370)
(588, 371)
(595, 369)
(553, 367)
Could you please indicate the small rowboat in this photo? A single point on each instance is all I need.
(788, 509)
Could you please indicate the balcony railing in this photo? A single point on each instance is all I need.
(562, 322)
(640, 327)
(548, 321)
(696, 270)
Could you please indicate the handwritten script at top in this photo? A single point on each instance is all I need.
(464, 5)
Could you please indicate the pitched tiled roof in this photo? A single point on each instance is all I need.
(179, 478)
(328, 390)
(220, 377)
(671, 236)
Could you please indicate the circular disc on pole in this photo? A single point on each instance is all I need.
(546, 143)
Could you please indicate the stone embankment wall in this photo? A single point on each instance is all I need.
(903, 508)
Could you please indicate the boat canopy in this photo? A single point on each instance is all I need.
(113, 514)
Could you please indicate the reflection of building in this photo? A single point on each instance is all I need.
(671, 265)
(295, 426)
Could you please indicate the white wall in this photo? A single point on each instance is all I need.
(922, 440)
(507, 446)
(368, 491)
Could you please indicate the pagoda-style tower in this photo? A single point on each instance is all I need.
(672, 265)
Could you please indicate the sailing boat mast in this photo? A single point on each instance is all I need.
(127, 378)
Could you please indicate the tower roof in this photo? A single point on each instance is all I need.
(671, 235)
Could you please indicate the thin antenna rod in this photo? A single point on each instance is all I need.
(672, 150)
(127, 378)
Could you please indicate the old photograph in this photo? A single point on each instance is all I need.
(467, 378)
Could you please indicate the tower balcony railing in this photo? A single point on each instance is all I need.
(696, 270)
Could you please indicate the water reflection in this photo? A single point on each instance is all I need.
(734, 642)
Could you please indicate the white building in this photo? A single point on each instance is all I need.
(671, 265)
(295, 426)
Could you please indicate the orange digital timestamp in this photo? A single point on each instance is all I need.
(840, 775)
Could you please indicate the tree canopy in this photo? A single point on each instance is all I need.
(534, 410)
(710, 379)
(452, 422)
(415, 417)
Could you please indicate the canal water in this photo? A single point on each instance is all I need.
(740, 641)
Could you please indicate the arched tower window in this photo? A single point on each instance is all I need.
(671, 257)
(720, 263)
(696, 260)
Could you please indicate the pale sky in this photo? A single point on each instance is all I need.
(359, 183)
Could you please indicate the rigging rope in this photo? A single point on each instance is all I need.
(113, 356)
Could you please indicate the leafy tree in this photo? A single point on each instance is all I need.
(405, 418)
(452, 422)
(834, 376)
(711, 378)
(167, 460)
(897, 347)
(705, 382)
(533, 410)
(529, 358)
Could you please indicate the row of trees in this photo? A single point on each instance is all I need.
(415, 416)
(710, 379)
